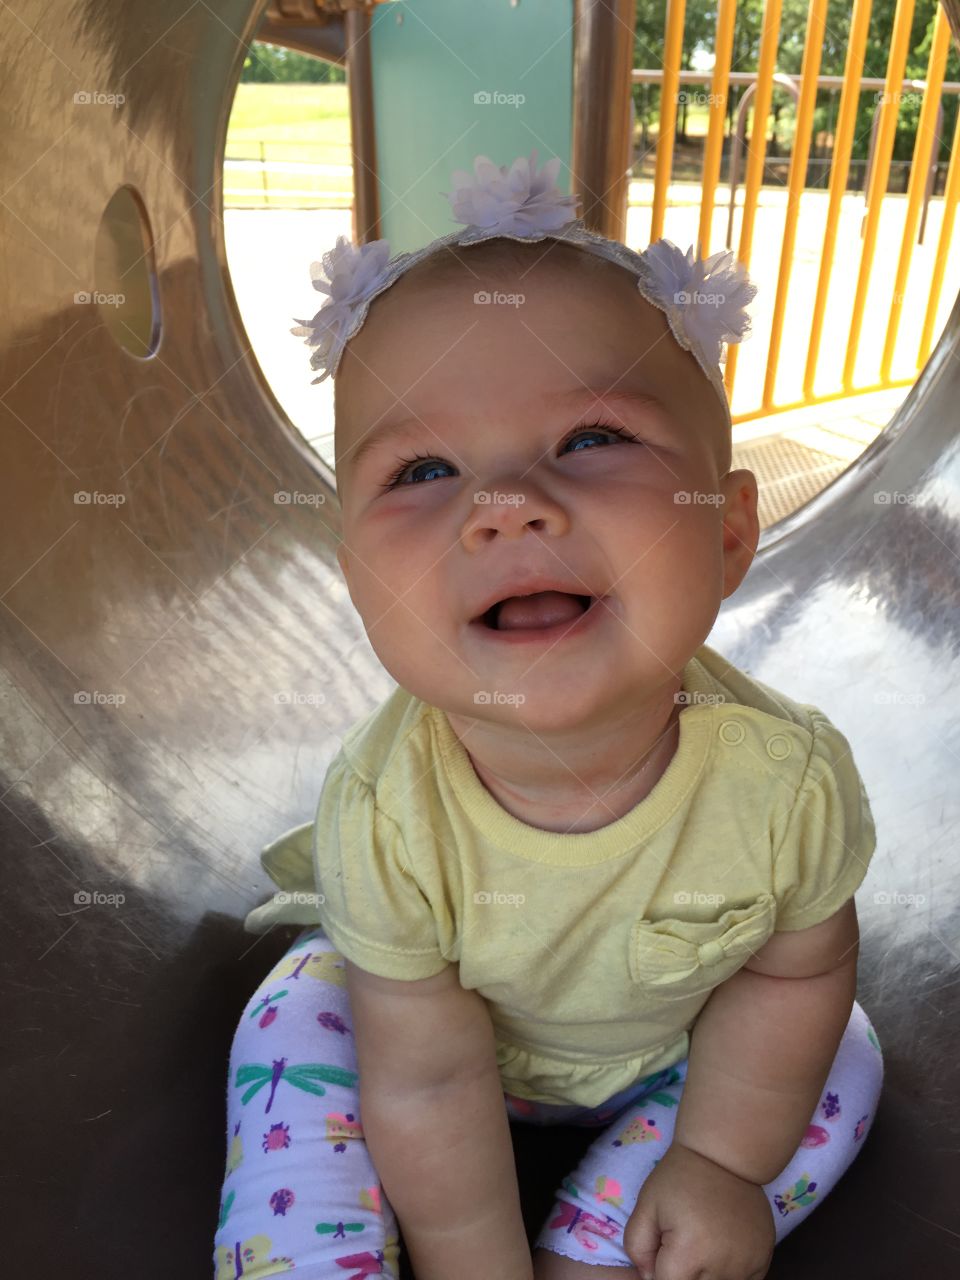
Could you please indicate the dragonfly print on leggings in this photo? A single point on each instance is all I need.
(306, 1076)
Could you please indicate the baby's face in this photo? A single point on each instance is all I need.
(515, 410)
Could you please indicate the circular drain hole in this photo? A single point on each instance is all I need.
(127, 295)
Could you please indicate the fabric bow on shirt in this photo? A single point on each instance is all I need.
(685, 957)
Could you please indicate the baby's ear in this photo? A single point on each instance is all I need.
(741, 527)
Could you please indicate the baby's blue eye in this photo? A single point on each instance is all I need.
(420, 458)
(594, 431)
(409, 464)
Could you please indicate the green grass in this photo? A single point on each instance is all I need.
(289, 122)
(296, 121)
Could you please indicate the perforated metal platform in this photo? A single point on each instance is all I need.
(788, 474)
(802, 452)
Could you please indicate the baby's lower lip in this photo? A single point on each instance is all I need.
(547, 635)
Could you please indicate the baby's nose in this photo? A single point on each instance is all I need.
(513, 510)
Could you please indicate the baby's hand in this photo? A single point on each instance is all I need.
(695, 1220)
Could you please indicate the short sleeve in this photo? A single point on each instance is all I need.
(371, 906)
(288, 861)
(829, 837)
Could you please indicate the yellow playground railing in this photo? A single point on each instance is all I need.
(878, 174)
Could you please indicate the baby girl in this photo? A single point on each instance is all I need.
(577, 867)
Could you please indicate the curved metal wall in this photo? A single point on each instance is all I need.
(148, 645)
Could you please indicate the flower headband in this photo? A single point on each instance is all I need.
(704, 299)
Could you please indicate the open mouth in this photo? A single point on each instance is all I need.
(540, 610)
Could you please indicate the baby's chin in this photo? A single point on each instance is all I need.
(545, 711)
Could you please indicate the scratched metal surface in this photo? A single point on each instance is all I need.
(220, 619)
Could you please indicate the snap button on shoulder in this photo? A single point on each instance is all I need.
(710, 952)
(732, 732)
(778, 747)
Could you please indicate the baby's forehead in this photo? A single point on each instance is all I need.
(449, 303)
(555, 315)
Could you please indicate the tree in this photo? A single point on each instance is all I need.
(272, 64)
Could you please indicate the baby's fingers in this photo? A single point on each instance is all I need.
(684, 1259)
(641, 1241)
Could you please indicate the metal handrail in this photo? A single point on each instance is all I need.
(786, 82)
(791, 84)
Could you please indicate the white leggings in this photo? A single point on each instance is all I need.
(301, 1191)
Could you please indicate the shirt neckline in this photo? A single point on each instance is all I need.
(696, 733)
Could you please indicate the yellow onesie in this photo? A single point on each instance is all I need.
(595, 951)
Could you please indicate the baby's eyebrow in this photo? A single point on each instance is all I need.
(615, 399)
(376, 436)
(573, 398)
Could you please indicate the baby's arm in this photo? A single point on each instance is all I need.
(436, 1127)
(763, 1046)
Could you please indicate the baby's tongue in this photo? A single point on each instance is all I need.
(545, 609)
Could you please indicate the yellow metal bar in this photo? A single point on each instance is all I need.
(919, 173)
(890, 102)
(810, 69)
(726, 17)
(951, 196)
(672, 54)
(756, 151)
(764, 412)
(839, 171)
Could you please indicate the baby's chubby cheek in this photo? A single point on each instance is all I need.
(407, 613)
(671, 586)
(422, 654)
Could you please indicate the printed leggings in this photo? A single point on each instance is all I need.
(300, 1191)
